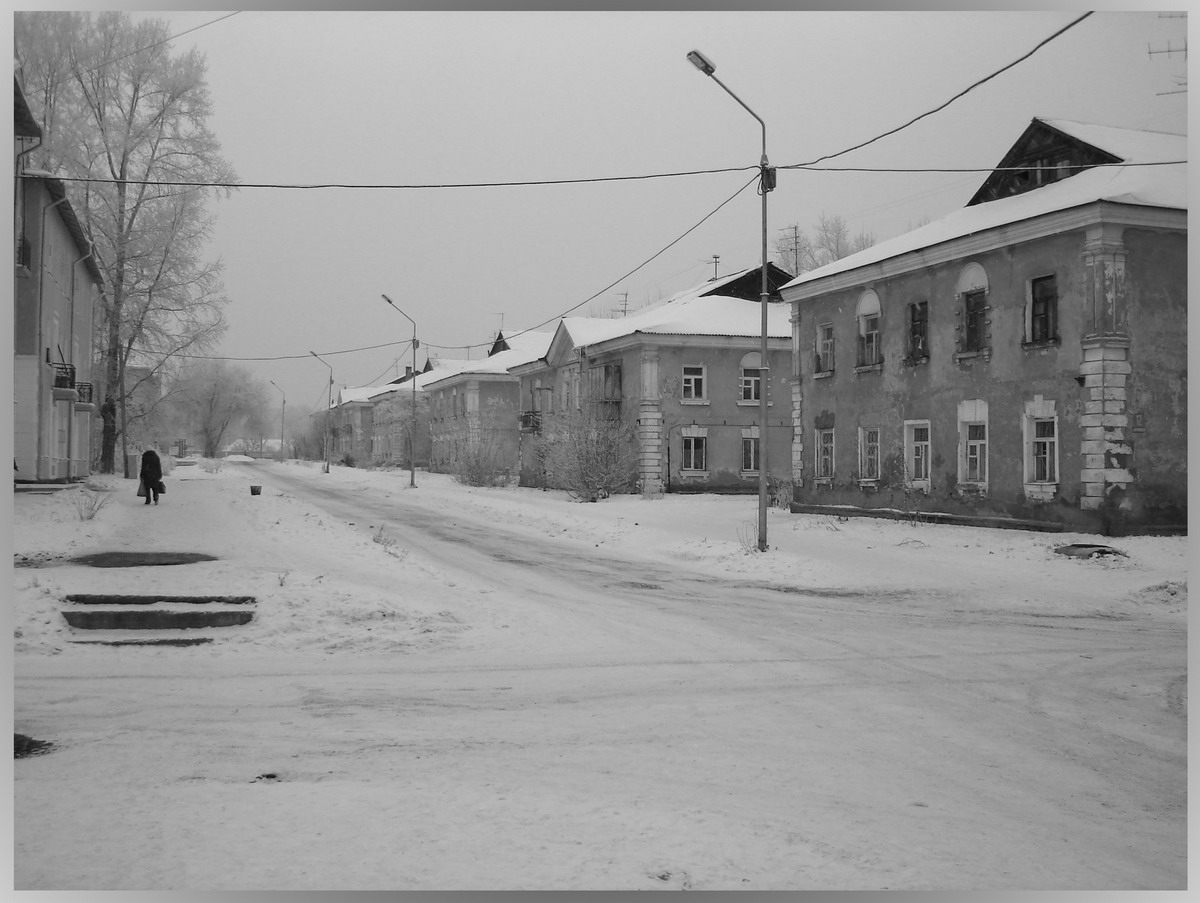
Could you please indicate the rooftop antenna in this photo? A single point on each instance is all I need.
(716, 257)
(624, 308)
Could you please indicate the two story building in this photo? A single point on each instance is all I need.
(57, 285)
(686, 374)
(474, 408)
(1020, 361)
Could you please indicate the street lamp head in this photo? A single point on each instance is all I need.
(701, 62)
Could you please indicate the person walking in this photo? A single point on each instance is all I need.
(151, 475)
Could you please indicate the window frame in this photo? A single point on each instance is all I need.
(824, 452)
(825, 349)
(1048, 334)
(975, 449)
(975, 320)
(689, 384)
(1044, 451)
(869, 460)
(918, 339)
(693, 447)
(870, 347)
(751, 444)
(912, 444)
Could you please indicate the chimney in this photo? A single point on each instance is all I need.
(407, 372)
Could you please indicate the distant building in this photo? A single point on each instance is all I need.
(474, 408)
(57, 285)
(1020, 361)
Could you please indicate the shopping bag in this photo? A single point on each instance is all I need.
(162, 488)
(141, 489)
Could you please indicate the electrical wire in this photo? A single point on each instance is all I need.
(659, 253)
(957, 96)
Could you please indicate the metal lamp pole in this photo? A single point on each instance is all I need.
(329, 407)
(412, 423)
(766, 184)
(282, 419)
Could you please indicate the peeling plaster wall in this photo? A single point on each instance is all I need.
(1008, 375)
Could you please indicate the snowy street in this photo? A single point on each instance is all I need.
(456, 688)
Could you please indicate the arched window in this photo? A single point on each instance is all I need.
(870, 352)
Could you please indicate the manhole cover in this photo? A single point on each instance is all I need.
(1087, 550)
(141, 559)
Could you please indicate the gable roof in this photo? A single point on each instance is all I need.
(523, 348)
(1160, 183)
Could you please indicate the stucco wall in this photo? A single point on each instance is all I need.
(1006, 377)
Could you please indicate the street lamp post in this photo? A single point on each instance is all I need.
(328, 408)
(282, 419)
(412, 422)
(767, 183)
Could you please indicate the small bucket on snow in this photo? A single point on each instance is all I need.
(256, 490)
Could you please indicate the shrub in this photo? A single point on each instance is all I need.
(88, 503)
(588, 454)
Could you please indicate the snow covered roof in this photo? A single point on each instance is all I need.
(523, 348)
(1160, 186)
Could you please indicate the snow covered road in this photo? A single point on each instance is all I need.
(622, 715)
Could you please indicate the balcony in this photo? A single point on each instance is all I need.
(64, 383)
(86, 403)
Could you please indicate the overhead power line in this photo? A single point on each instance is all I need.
(965, 91)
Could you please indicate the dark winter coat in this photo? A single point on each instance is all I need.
(151, 468)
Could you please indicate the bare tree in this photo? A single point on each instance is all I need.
(130, 120)
(798, 252)
(216, 398)
(588, 453)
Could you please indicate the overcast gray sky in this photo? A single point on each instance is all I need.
(431, 98)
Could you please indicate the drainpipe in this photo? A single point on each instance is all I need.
(41, 441)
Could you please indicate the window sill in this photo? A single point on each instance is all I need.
(823, 481)
(694, 401)
(749, 474)
(921, 486)
(753, 404)
(869, 368)
(872, 484)
(972, 489)
(822, 374)
(960, 356)
(1044, 343)
(916, 361)
(693, 474)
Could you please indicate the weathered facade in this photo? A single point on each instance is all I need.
(685, 376)
(474, 409)
(56, 288)
(1020, 362)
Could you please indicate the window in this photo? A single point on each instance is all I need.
(918, 331)
(1045, 455)
(974, 307)
(693, 384)
(916, 454)
(750, 454)
(976, 459)
(869, 352)
(695, 453)
(868, 454)
(1043, 310)
(605, 382)
(824, 362)
(824, 462)
(1040, 430)
(972, 290)
(750, 385)
(867, 317)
